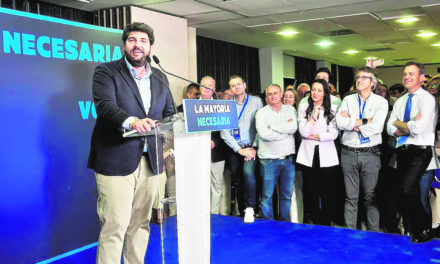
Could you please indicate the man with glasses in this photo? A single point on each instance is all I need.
(426, 81)
(362, 116)
(433, 86)
(413, 121)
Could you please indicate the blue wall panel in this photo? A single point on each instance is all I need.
(48, 196)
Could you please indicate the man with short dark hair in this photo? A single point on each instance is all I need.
(192, 92)
(243, 144)
(413, 121)
(396, 90)
(325, 74)
(128, 94)
(361, 116)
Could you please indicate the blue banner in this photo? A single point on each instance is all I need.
(210, 115)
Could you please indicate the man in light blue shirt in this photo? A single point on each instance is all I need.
(241, 142)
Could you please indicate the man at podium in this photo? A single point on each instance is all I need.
(128, 94)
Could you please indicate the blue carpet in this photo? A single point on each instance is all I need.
(267, 242)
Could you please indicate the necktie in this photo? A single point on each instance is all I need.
(406, 118)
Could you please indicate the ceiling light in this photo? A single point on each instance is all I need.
(430, 5)
(436, 45)
(400, 17)
(324, 43)
(303, 20)
(287, 33)
(351, 52)
(407, 20)
(426, 34)
(263, 25)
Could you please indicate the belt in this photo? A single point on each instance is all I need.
(285, 157)
(410, 146)
(373, 149)
(245, 145)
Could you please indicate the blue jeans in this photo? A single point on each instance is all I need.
(283, 172)
(243, 181)
(425, 188)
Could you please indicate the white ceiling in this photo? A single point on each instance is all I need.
(374, 31)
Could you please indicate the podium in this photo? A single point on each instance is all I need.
(193, 170)
(192, 151)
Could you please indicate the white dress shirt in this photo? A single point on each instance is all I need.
(328, 155)
(275, 131)
(376, 108)
(422, 131)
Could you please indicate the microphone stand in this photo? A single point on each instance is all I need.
(167, 85)
(156, 60)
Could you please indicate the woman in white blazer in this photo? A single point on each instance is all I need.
(317, 152)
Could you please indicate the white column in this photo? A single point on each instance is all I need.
(271, 67)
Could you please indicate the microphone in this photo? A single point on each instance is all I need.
(165, 83)
(156, 60)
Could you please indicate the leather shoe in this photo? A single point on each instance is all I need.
(423, 237)
(436, 232)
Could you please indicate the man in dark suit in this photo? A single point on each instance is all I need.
(128, 94)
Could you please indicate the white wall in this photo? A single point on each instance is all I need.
(174, 46)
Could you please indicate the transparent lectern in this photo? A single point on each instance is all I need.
(192, 152)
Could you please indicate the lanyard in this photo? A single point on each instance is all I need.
(245, 103)
(363, 108)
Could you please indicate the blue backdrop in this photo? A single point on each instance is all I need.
(47, 197)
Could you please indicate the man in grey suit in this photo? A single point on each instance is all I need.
(129, 94)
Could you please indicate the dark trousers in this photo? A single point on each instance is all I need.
(244, 183)
(319, 183)
(411, 165)
(319, 186)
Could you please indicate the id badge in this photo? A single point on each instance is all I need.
(363, 139)
(236, 133)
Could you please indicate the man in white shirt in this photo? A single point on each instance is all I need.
(361, 116)
(325, 74)
(276, 124)
(413, 121)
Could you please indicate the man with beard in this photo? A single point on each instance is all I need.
(128, 94)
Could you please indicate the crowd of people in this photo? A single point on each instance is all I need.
(301, 155)
(304, 155)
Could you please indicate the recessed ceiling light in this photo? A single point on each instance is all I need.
(426, 34)
(407, 20)
(324, 43)
(351, 51)
(287, 33)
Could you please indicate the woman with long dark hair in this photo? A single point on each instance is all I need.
(317, 152)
